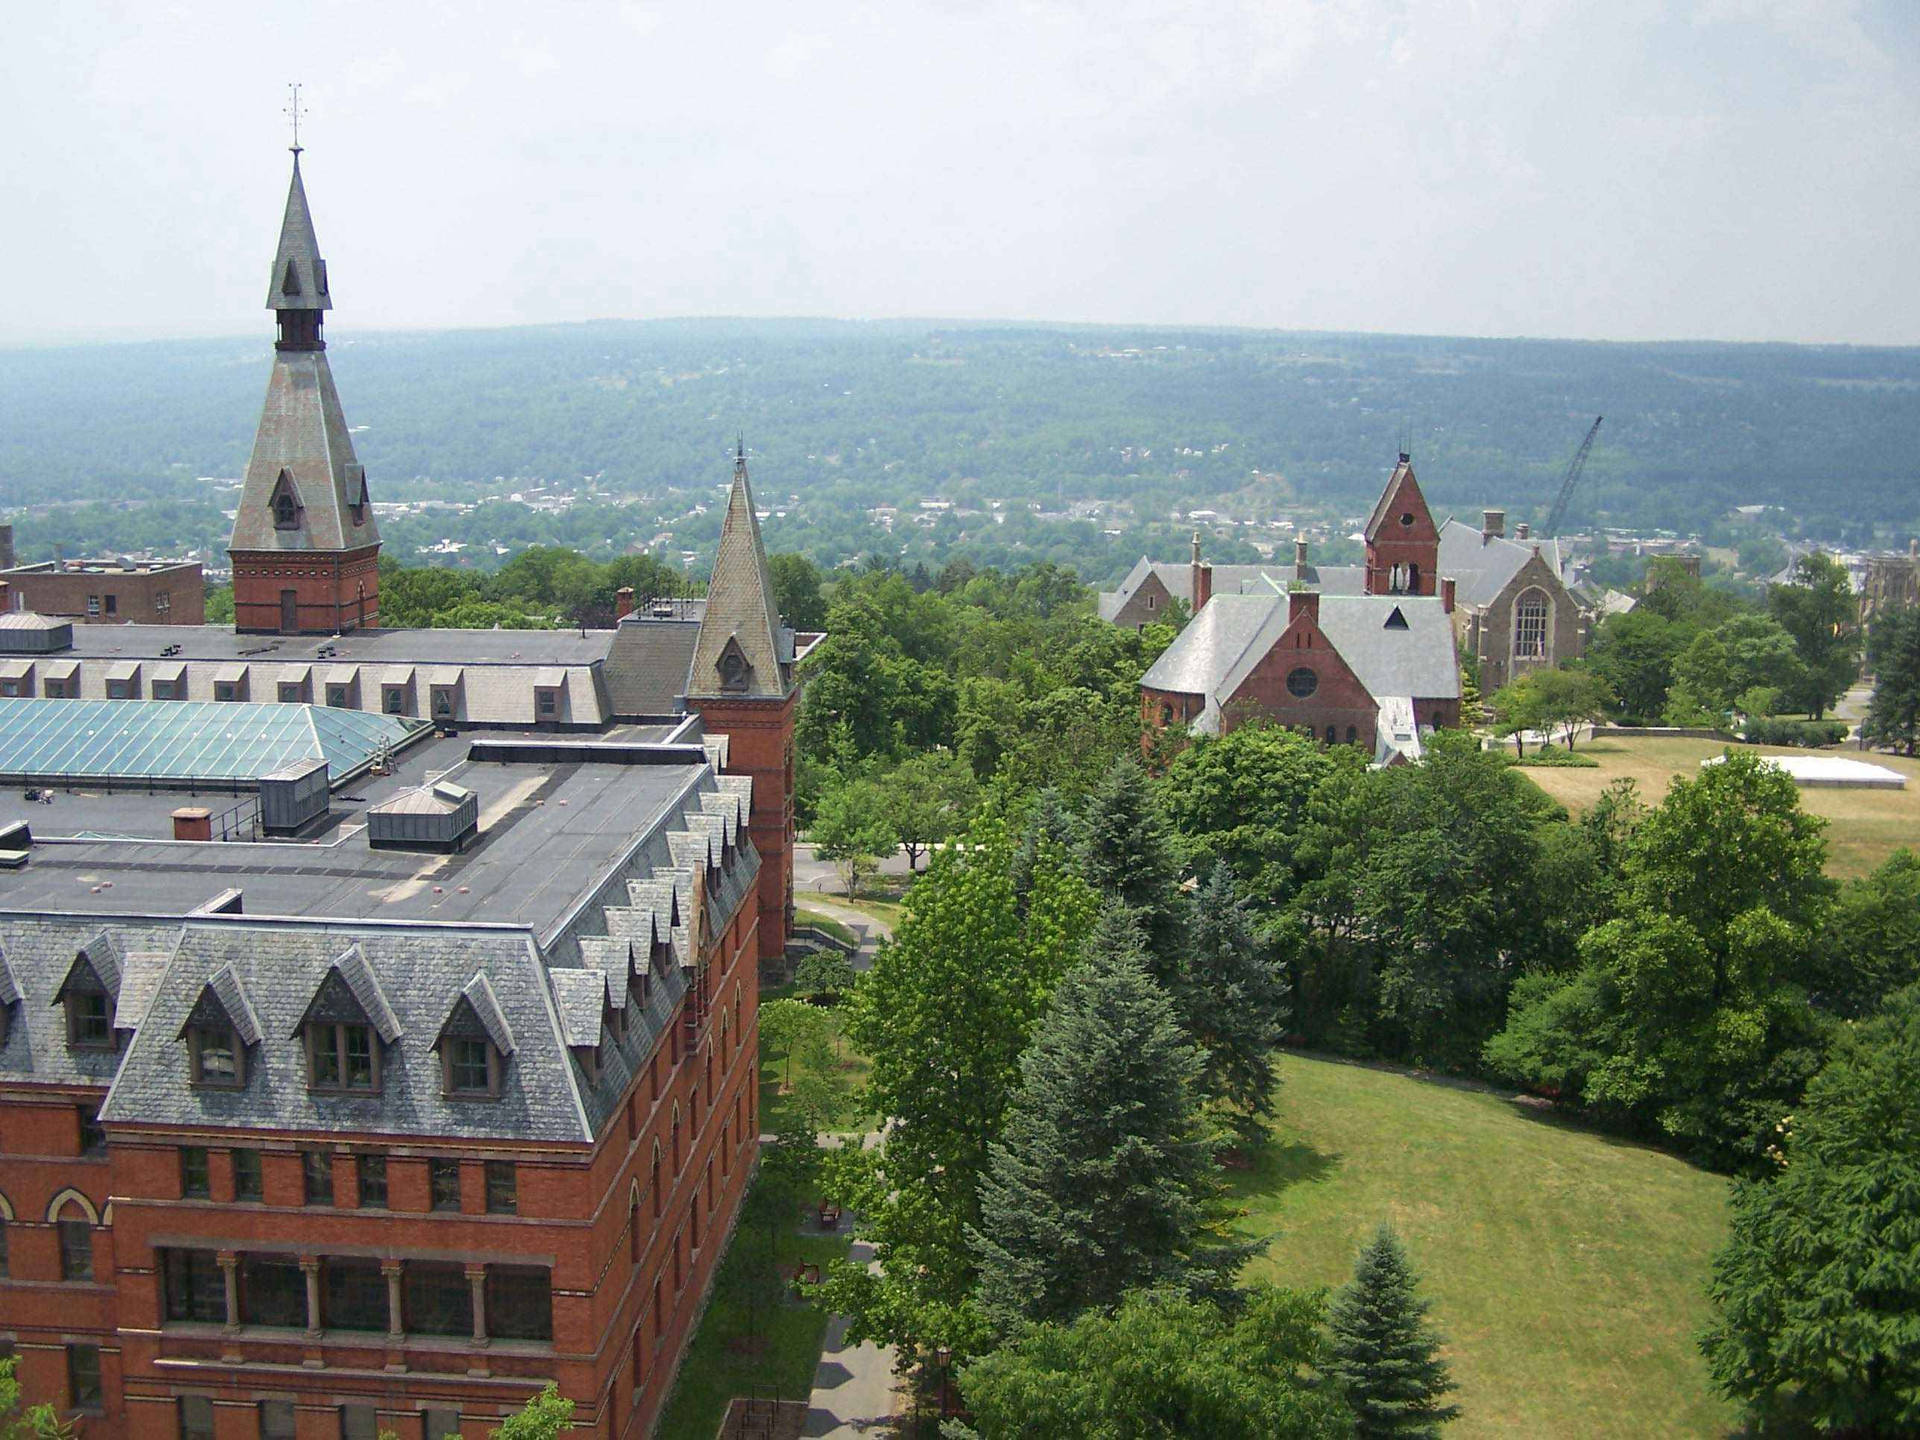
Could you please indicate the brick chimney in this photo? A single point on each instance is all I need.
(6, 596)
(622, 602)
(1520, 530)
(190, 822)
(1202, 586)
(1446, 593)
(1299, 552)
(1303, 603)
(1493, 525)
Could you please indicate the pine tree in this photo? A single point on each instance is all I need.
(1102, 1180)
(1126, 853)
(1049, 823)
(1235, 998)
(1385, 1354)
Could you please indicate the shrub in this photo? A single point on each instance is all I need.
(1555, 759)
(1762, 730)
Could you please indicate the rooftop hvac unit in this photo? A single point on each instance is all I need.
(292, 798)
(442, 816)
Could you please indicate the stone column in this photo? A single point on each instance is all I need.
(396, 1326)
(229, 1262)
(310, 1267)
(477, 1279)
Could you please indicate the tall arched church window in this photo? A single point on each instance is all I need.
(1530, 626)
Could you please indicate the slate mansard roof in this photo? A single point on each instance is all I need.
(625, 946)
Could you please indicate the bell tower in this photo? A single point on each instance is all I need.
(1403, 543)
(742, 685)
(305, 548)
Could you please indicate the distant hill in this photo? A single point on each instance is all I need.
(850, 414)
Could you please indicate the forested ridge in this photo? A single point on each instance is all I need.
(847, 415)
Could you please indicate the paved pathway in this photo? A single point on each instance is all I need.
(854, 1388)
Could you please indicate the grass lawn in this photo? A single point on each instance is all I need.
(753, 1337)
(847, 1070)
(874, 905)
(1864, 826)
(1567, 1269)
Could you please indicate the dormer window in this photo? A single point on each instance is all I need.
(736, 671)
(88, 995)
(218, 1031)
(474, 1044)
(342, 1057)
(346, 1028)
(90, 1021)
(214, 1057)
(357, 494)
(471, 1069)
(285, 503)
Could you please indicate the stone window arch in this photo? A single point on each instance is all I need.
(1532, 624)
(57, 1206)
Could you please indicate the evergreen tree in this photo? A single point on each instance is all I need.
(1236, 999)
(1126, 853)
(1384, 1352)
(1893, 648)
(1049, 822)
(1101, 1180)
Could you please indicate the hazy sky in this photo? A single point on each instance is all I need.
(1735, 169)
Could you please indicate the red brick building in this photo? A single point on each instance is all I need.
(1374, 669)
(109, 592)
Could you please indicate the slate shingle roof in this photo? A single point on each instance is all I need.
(740, 617)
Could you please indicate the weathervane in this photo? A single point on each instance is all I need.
(292, 112)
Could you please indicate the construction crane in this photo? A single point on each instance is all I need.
(1571, 479)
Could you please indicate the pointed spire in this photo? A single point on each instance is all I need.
(741, 650)
(299, 280)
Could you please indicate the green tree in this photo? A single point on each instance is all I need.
(945, 1013)
(1893, 649)
(36, 1422)
(1385, 1355)
(219, 604)
(1126, 853)
(785, 1027)
(1817, 1291)
(1570, 698)
(1241, 800)
(1099, 1182)
(1871, 945)
(544, 1416)
(853, 830)
(826, 976)
(1743, 653)
(1819, 610)
(1235, 999)
(1634, 653)
(930, 796)
(1519, 707)
(1164, 1367)
(1685, 1014)
(796, 591)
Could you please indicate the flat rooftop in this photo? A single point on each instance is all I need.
(366, 647)
(551, 830)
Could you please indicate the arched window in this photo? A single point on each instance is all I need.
(676, 1141)
(1353, 735)
(1413, 579)
(653, 1180)
(1333, 735)
(633, 1225)
(1530, 614)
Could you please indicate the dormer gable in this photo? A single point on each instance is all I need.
(346, 1026)
(9, 997)
(474, 1044)
(284, 503)
(90, 994)
(584, 1003)
(733, 670)
(219, 1031)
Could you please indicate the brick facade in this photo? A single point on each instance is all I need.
(760, 745)
(320, 592)
(106, 593)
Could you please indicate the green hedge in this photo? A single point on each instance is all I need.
(1553, 758)
(1808, 733)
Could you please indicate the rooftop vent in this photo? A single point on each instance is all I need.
(442, 816)
(293, 798)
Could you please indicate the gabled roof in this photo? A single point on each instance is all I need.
(1481, 566)
(99, 962)
(351, 992)
(741, 619)
(476, 1014)
(581, 998)
(299, 274)
(611, 955)
(9, 987)
(223, 1002)
(1202, 653)
(1401, 493)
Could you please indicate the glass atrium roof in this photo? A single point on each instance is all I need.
(186, 739)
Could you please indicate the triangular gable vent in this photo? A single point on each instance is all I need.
(290, 282)
(1395, 620)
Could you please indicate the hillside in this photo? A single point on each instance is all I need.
(846, 415)
(1567, 1270)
